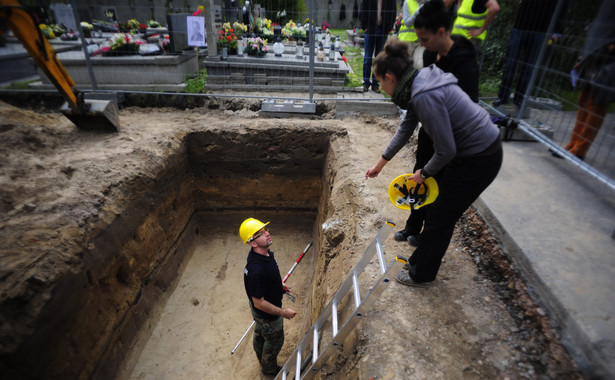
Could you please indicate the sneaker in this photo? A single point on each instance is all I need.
(401, 235)
(365, 87)
(376, 89)
(410, 268)
(404, 278)
(407, 266)
(413, 240)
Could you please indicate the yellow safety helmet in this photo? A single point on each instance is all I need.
(404, 193)
(249, 227)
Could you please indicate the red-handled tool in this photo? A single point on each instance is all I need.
(296, 262)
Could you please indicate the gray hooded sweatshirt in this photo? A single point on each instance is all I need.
(457, 126)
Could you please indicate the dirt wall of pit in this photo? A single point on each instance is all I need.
(73, 318)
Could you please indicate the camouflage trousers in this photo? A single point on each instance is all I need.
(268, 341)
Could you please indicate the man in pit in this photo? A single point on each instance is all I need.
(265, 289)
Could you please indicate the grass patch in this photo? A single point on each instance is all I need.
(196, 85)
(21, 85)
(354, 59)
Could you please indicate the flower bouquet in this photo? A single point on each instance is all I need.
(227, 38)
(240, 28)
(199, 10)
(46, 30)
(51, 31)
(121, 44)
(264, 28)
(69, 36)
(153, 24)
(256, 47)
(133, 24)
(165, 44)
(292, 31)
(86, 28)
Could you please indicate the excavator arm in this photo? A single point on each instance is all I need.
(86, 115)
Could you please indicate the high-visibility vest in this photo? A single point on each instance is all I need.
(407, 33)
(466, 20)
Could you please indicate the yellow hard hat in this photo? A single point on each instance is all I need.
(404, 193)
(249, 227)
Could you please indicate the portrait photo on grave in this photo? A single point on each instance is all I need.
(196, 31)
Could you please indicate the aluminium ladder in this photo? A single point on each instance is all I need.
(308, 358)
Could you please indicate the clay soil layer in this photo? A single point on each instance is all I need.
(120, 255)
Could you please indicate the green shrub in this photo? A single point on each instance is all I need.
(196, 85)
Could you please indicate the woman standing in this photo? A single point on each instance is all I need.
(467, 150)
(453, 54)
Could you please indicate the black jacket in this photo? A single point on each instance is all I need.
(461, 61)
(369, 15)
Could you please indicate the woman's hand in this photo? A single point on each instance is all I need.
(416, 177)
(372, 172)
(376, 169)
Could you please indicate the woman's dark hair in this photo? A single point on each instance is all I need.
(394, 58)
(433, 16)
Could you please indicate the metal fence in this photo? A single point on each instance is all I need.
(556, 109)
(549, 112)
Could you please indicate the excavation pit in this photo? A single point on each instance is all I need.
(272, 174)
(170, 231)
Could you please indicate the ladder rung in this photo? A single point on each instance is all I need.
(298, 366)
(380, 254)
(357, 291)
(315, 346)
(334, 318)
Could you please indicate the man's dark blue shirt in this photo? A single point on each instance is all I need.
(261, 278)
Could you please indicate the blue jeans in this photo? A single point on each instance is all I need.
(373, 46)
(522, 44)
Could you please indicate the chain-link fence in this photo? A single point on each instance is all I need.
(567, 68)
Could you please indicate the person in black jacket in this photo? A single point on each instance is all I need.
(377, 19)
(468, 150)
(453, 54)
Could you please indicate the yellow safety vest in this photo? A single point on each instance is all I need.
(407, 33)
(467, 20)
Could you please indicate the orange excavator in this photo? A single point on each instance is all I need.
(85, 114)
